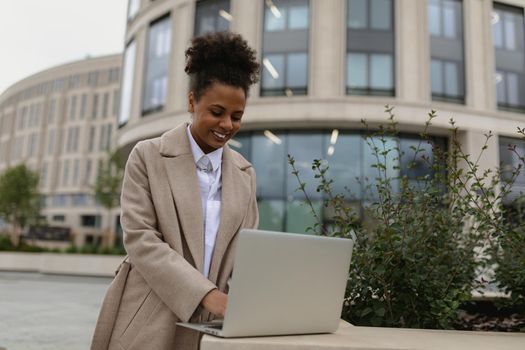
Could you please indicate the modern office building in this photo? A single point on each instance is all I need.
(325, 65)
(61, 122)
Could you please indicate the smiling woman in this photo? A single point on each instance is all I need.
(185, 196)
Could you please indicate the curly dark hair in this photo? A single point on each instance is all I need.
(223, 57)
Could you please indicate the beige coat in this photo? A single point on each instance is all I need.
(161, 280)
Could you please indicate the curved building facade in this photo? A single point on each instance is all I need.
(61, 122)
(325, 66)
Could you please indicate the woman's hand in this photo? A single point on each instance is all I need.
(215, 302)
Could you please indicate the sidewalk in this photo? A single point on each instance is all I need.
(48, 312)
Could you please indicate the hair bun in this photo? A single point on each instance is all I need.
(222, 51)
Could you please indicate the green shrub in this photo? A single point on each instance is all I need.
(419, 250)
(5, 243)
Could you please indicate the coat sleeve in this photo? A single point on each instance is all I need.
(177, 283)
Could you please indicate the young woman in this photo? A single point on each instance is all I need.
(185, 196)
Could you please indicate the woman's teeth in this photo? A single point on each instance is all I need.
(221, 136)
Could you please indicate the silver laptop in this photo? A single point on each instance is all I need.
(284, 283)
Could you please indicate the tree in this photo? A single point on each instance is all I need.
(107, 190)
(19, 199)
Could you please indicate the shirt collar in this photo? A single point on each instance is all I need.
(215, 157)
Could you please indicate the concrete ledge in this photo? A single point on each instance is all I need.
(65, 264)
(350, 337)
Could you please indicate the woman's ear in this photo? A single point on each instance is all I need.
(191, 102)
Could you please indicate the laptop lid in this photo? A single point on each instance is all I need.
(285, 283)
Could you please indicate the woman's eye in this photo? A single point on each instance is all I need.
(216, 113)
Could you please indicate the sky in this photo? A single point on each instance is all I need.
(40, 34)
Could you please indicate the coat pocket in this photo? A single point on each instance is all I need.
(139, 320)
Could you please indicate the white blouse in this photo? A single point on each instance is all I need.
(209, 174)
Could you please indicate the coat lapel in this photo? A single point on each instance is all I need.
(235, 196)
(182, 176)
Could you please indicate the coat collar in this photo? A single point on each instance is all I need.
(182, 176)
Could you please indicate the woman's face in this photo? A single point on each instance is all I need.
(217, 115)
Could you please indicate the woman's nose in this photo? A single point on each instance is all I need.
(226, 123)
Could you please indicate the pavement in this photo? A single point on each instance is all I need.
(48, 312)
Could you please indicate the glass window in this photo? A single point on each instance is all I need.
(212, 16)
(52, 111)
(509, 41)
(90, 221)
(370, 68)
(127, 83)
(87, 174)
(242, 144)
(76, 169)
(133, 8)
(51, 141)
(285, 48)
(273, 72)
(43, 175)
(156, 82)
(451, 74)
(94, 110)
(497, 29)
(381, 14)
(32, 144)
(65, 176)
(436, 76)
(342, 153)
(297, 65)
(449, 19)
(357, 64)
(91, 139)
(269, 162)
(83, 105)
(298, 17)
(271, 214)
(93, 78)
(381, 69)
(76, 136)
(60, 200)
(357, 14)
(510, 30)
(102, 138)
(108, 138)
(299, 216)
(115, 101)
(275, 19)
(446, 50)
(512, 88)
(73, 107)
(510, 163)
(304, 148)
(105, 103)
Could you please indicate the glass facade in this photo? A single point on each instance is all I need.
(285, 48)
(212, 16)
(370, 47)
(128, 73)
(157, 66)
(509, 47)
(350, 160)
(510, 162)
(447, 64)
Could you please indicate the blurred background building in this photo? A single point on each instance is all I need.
(61, 122)
(326, 64)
